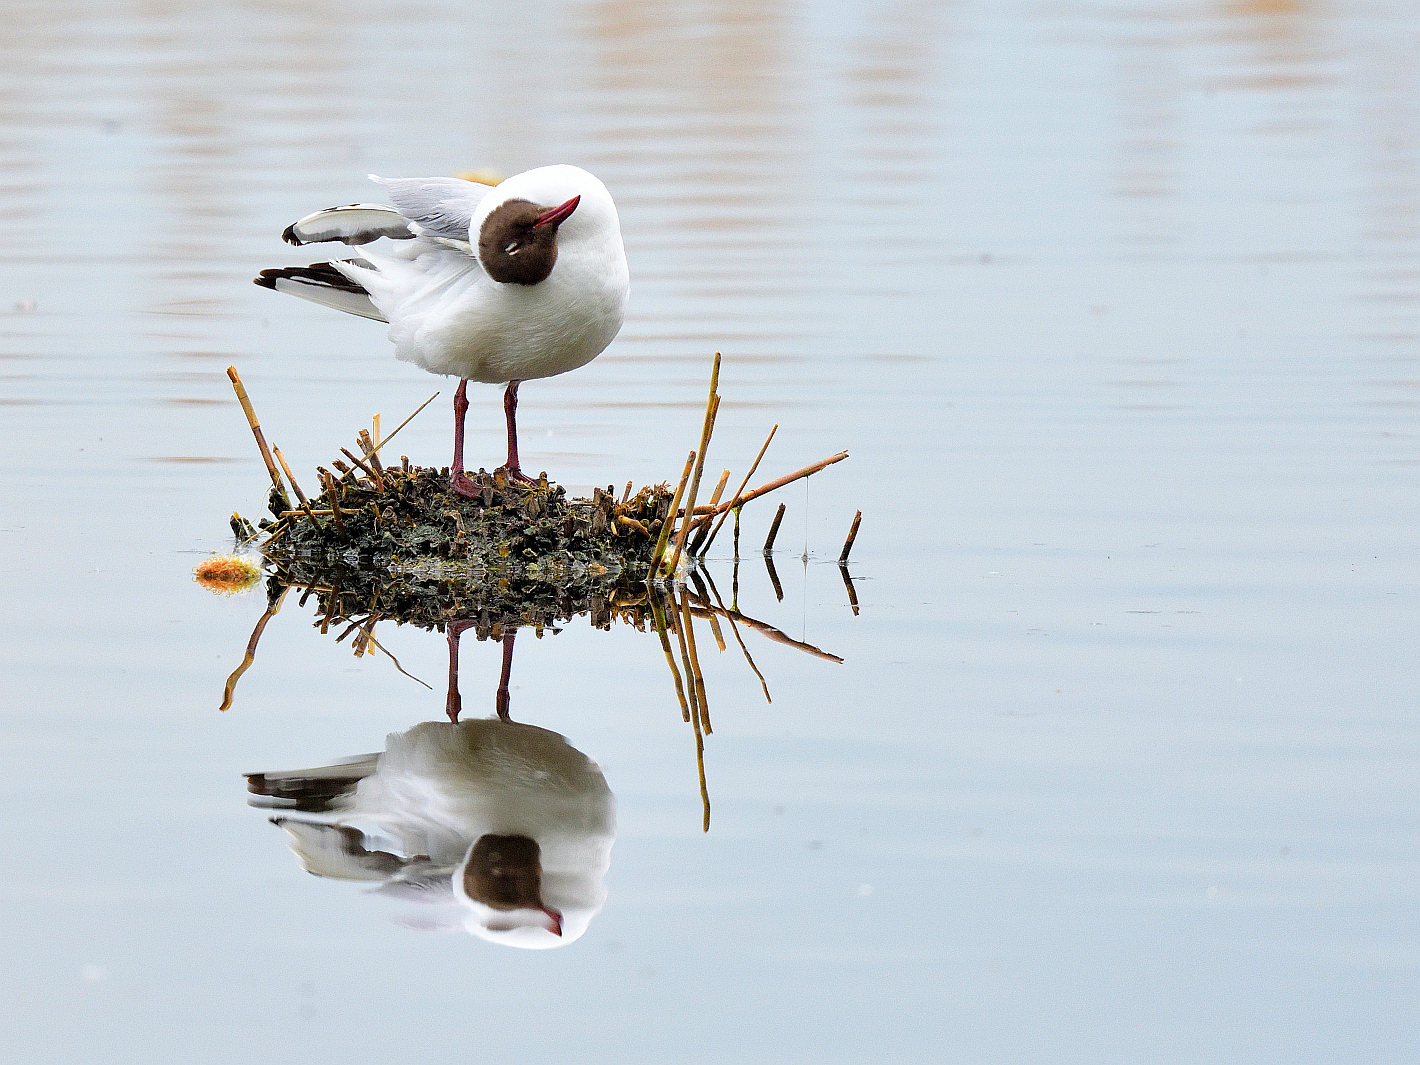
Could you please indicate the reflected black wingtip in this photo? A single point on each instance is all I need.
(266, 279)
(289, 235)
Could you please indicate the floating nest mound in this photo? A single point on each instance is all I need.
(409, 517)
(404, 546)
(397, 542)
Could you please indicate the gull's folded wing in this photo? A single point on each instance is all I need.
(438, 207)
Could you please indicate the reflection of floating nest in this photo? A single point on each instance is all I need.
(408, 549)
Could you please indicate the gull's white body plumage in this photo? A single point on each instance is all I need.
(449, 317)
(524, 280)
(420, 806)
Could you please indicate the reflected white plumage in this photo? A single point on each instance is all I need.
(523, 280)
(498, 828)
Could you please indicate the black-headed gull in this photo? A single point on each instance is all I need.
(501, 829)
(523, 280)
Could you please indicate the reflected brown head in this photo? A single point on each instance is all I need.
(517, 242)
(505, 873)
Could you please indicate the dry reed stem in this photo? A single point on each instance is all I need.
(301, 496)
(734, 499)
(670, 516)
(852, 535)
(775, 485)
(694, 545)
(626, 494)
(331, 492)
(397, 428)
(375, 478)
(367, 445)
(255, 426)
(774, 531)
(250, 656)
(632, 523)
(712, 406)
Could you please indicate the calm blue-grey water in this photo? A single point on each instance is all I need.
(1115, 305)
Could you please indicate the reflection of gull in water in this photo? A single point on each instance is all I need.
(499, 828)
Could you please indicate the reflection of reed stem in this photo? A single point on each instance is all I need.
(660, 619)
(700, 698)
(271, 612)
(848, 583)
(730, 617)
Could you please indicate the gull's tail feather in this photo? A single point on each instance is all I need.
(356, 223)
(322, 283)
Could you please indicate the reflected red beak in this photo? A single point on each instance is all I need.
(555, 216)
(556, 918)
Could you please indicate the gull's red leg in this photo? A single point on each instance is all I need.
(457, 481)
(510, 410)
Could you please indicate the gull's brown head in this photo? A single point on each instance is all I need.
(517, 243)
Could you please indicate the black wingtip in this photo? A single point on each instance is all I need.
(266, 279)
(289, 235)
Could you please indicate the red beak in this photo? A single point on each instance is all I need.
(555, 216)
(556, 918)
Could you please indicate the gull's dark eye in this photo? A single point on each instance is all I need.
(512, 247)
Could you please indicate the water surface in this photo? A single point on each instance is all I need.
(1114, 306)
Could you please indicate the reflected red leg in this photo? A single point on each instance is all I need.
(503, 697)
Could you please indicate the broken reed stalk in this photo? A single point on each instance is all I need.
(367, 445)
(773, 577)
(712, 406)
(852, 535)
(331, 492)
(305, 503)
(670, 516)
(734, 504)
(774, 530)
(245, 401)
(375, 478)
(694, 546)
